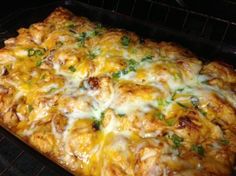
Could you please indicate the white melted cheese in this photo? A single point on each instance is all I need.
(49, 87)
(41, 111)
(77, 114)
(6, 58)
(129, 107)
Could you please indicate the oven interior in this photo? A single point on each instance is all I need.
(207, 33)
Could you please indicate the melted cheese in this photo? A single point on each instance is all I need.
(100, 102)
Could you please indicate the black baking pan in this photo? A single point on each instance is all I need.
(208, 36)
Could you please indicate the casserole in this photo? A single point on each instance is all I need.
(102, 101)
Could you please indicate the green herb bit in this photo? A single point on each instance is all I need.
(38, 63)
(177, 76)
(194, 100)
(176, 140)
(30, 108)
(181, 105)
(162, 102)
(205, 82)
(94, 52)
(132, 64)
(180, 90)
(81, 39)
(102, 115)
(160, 116)
(126, 71)
(72, 68)
(53, 89)
(98, 29)
(39, 52)
(147, 59)
(170, 122)
(224, 141)
(175, 92)
(96, 124)
(71, 25)
(121, 115)
(91, 55)
(31, 52)
(198, 149)
(116, 75)
(125, 40)
(204, 113)
(43, 77)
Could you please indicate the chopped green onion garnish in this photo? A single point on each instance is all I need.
(94, 52)
(31, 52)
(96, 124)
(71, 25)
(125, 40)
(160, 116)
(132, 64)
(170, 122)
(182, 105)
(202, 112)
(177, 76)
(224, 141)
(175, 92)
(72, 68)
(81, 39)
(121, 115)
(38, 52)
(162, 102)
(198, 149)
(53, 89)
(147, 59)
(102, 115)
(116, 75)
(30, 108)
(176, 140)
(38, 63)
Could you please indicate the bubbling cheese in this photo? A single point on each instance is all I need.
(102, 101)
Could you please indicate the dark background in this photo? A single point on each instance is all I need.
(221, 8)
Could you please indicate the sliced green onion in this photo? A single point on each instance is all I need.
(121, 115)
(198, 149)
(176, 140)
(182, 105)
(31, 52)
(38, 63)
(53, 89)
(147, 59)
(125, 40)
(38, 52)
(170, 122)
(160, 116)
(30, 108)
(224, 141)
(116, 75)
(72, 68)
